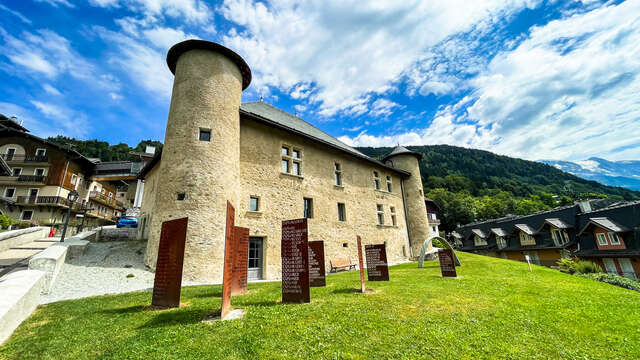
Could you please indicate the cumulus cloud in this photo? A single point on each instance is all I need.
(60, 119)
(164, 37)
(56, 3)
(568, 91)
(191, 11)
(348, 50)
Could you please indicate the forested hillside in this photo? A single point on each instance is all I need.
(102, 150)
(471, 185)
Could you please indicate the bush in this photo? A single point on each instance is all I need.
(614, 279)
(5, 221)
(572, 266)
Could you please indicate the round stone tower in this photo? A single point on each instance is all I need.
(200, 165)
(416, 210)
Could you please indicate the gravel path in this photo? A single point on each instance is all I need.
(102, 271)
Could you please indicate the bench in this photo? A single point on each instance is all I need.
(343, 264)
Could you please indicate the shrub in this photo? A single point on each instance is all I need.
(5, 221)
(573, 266)
(614, 279)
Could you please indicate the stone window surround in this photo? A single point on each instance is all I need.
(389, 184)
(376, 180)
(258, 204)
(288, 156)
(342, 218)
(337, 177)
(380, 214)
(394, 219)
(310, 214)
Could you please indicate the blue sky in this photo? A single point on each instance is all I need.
(527, 78)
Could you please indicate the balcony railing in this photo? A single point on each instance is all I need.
(42, 200)
(31, 178)
(104, 199)
(434, 221)
(24, 158)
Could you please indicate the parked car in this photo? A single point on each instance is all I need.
(127, 221)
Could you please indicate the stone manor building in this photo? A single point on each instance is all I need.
(272, 166)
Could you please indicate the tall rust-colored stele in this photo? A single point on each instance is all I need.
(447, 264)
(361, 264)
(228, 261)
(168, 278)
(377, 267)
(294, 252)
(316, 264)
(240, 261)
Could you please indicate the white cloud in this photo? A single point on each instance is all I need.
(191, 11)
(348, 50)
(105, 3)
(382, 107)
(22, 18)
(51, 90)
(569, 91)
(164, 38)
(56, 3)
(60, 119)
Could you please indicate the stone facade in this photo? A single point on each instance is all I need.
(243, 159)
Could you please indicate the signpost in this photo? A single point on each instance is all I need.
(316, 264)
(447, 264)
(377, 268)
(294, 252)
(228, 261)
(361, 264)
(526, 257)
(168, 278)
(240, 261)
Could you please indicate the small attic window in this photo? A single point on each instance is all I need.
(205, 134)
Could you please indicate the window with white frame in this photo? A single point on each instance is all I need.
(337, 174)
(41, 152)
(38, 172)
(380, 212)
(560, 237)
(27, 215)
(74, 179)
(602, 239)
(394, 220)
(17, 171)
(291, 160)
(9, 192)
(376, 180)
(389, 187)
(614, 238)
(479, 241)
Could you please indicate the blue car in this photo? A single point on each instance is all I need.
(127, 221)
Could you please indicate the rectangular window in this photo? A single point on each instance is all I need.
(341, 212)
(380, 211)
(205, 134)
(376, 180)
(38, 172)
(41, 152)
(254, 203)
(285, 166)
(501, 242)
(293, 159)
(337, 174)
(33, 192)
(602, 240)
(389, 188)
(296, 168)
(296, 154)
(9, 192)
(74, 179)
(614, 239)
(526, 239)
(27, 215)
(285, 151)
(17, 171)
(308, 208)
(394, 220)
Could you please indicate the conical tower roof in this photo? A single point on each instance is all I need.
(401, 150)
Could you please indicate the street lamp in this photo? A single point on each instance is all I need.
(72, 197)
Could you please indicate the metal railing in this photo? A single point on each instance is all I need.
(31, 178)
(24, 158)
(42, 200)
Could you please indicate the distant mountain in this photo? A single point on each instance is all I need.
(477, 171)
(615, 173)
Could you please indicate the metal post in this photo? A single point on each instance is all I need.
(66, 222)
(84, 216)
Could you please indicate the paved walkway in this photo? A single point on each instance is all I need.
(17, 258)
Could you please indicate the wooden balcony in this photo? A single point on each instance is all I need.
(42, 200)
(23, 180)
(24, 158)
(105, 200)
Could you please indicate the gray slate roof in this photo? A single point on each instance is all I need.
(399, 150)
(526, 228)
(604, 223)
(293, 123)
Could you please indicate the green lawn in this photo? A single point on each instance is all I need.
(496, 309)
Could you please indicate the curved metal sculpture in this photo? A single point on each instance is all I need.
(425, 245)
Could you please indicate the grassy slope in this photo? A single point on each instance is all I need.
(497, 309)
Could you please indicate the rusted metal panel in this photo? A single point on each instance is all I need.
(361, 264)
(447, 266)
(377, 268)
(316, 264)
(228, 261)
(168, 277)
(240, 261)
(295, 262)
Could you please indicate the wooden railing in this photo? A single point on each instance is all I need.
(24, 158)
(102, 198)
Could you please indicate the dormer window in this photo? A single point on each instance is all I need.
(501, 242)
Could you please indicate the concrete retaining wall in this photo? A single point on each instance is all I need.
(112, 233)
(20, 297)
(77, 245)
(49, 261)
(13, 238)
